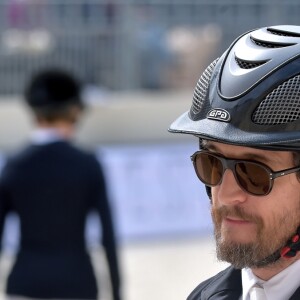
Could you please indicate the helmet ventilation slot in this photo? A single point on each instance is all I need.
(269, 44)
(243, 64)
(283, 33)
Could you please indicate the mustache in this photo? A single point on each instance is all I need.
(222, 212)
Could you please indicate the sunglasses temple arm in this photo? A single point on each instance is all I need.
(284, 172)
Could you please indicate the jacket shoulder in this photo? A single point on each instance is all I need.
(227, 284)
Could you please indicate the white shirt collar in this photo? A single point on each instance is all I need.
(248, 281)
(281, 286)
(43, 136)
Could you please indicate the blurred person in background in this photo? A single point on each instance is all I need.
(52, 186)
(246, 113)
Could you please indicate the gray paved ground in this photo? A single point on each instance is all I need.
(168, 270)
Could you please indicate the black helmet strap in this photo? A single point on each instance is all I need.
(292, 246)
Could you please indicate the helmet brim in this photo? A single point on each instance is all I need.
(227, 133)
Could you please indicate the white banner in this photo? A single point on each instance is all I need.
(154, 190)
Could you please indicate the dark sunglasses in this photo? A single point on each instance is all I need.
(253, 177)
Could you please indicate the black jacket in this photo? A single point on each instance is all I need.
(226, 285)
(52, 188)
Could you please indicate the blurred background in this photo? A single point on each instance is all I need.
(139, 61)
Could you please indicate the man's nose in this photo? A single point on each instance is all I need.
(229, 191)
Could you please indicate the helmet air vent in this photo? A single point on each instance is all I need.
(283, 33)
(202, 88)
(281, 106)
(243, 64)
(266, 44)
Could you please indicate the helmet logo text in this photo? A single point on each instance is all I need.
(219, 114)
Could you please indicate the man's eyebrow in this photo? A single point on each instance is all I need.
(247, 156)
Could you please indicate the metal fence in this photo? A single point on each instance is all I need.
(126, 44)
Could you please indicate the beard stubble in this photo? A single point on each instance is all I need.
(264, 250)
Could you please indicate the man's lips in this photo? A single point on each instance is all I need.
(236, 221)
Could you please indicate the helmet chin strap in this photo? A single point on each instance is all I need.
(290, 249)
(292, 246)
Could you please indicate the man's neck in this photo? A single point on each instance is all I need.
(268, 272)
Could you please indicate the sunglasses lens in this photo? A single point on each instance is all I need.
(253, 177)
(208, 168)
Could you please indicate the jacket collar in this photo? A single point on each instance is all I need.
(227, 285)
(296, 295)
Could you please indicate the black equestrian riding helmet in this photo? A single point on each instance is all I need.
(250, 96)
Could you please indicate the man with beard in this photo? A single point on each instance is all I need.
(246, 114)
